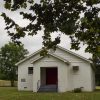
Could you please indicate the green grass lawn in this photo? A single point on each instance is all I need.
(8, 93)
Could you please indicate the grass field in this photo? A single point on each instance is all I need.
(8, 93)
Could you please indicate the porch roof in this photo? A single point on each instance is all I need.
(53, 55)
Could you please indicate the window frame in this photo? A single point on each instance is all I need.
(30, 70)
(75, 68)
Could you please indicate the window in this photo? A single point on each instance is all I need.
(75, 68)
(30, 70)
(23, 80)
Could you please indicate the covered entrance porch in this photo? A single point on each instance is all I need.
(48, 79)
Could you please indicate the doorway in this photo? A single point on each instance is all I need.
(51, 76)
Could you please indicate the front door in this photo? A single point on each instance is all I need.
(51, 76)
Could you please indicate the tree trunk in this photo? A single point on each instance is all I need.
(12, 83)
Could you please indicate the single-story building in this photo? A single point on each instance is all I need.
(59, 71)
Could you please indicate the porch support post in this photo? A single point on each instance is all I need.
(62, 79)
(36, 78)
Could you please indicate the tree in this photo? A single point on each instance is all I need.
(58, 15)
(10, 54)
(97, 71)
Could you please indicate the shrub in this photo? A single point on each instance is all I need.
(78, 90)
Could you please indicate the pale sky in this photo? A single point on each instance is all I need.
(32, 43)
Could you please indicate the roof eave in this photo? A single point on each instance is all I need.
(33, 54)
(74, 54)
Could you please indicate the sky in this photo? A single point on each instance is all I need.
(32, 43)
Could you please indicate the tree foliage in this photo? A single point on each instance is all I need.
(58, 15)
(10, 54)
(97, 71)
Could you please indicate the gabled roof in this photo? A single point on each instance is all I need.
(54, 55)
(28, 57)
(77, 55)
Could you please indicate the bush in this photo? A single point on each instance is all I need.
(78, 90)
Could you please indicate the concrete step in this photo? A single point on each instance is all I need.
(48, 88)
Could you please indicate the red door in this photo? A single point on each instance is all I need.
(51, 76)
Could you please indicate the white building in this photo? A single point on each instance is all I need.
(62, 70)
